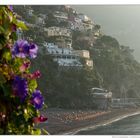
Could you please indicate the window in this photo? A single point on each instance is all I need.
(64, 57)
(98, 91)
(58, 57)
(68, 57)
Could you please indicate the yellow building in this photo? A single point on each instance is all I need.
(82, 53)
(89, 63)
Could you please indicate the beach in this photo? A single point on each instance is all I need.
(70, 122)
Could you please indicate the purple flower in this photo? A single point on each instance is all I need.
(33, 50)
(10, 7)
(37, 99)
(20, 87)
(21, 48)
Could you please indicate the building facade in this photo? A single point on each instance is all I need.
(82, 53)
(58, 31)
(102, 99)
(63, 56)
(68, 56)
(60, 16)
(63, 36)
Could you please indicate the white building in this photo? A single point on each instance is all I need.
(54, 49)
(80, 24)
(76, 26)
(67, 56)
(61, 16)
(77, 19)
(102, 98)
(83, 17)
(87, 26)
(57, 31)
(63, 56)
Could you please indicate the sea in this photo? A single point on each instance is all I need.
(125, 126)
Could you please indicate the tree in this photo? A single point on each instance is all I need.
(67, 87)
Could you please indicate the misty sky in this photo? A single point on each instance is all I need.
(121, 22)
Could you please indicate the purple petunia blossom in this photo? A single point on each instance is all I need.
(10, 7)
(23, 49)
(37, 99)
(20, 87)
(33, 50)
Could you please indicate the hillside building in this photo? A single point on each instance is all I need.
(63, 36)
(67, 56)
(60, 16)
(80, 22)
(58, 31)
(63, 56)
(101, 98)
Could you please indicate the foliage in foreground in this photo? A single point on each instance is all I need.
(20, 98)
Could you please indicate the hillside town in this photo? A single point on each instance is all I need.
(58, 42)
(57, 30)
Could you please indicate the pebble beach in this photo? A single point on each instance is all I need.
(69, 122)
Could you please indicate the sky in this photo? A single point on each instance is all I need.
(119, 21)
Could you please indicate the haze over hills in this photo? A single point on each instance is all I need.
(119, 21)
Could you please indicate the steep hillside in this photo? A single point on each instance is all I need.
(114, 66)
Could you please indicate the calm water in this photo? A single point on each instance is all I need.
(127, 126)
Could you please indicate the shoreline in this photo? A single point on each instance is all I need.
(74, 132)
(70, 122)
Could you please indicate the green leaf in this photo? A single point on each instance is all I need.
(44, 131)
(20, 24)
(2, 79)
(36, 132)
(31, 111)
(1, 131)
(16, 64)
(1, 46)
(2, 29)
(6, 89)
(32, 85)
(26, 114)
(2, 39)
(13, 36)
(7, 55)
